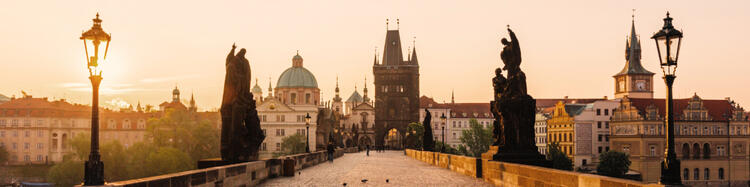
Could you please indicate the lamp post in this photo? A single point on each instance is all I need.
(92, 39)
(307, 126)
(443, 119)
(669, 50)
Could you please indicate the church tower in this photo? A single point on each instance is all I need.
(176, 95)
(633, 80)
(337, 104)
(396, 90)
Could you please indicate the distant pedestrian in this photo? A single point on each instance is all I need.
(331, 149)
(368, 150)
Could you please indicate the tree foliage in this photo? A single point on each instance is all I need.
(613, 164)
(180, 130)
(66, 173)
(559, 159)
(173, 143)
(294, 144)
(445, 148)
(477, 138)
(415, 132)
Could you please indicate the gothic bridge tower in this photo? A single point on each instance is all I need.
(396, 92)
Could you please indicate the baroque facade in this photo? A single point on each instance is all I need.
(282, 113)
(458, 118)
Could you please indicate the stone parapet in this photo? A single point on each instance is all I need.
(240, 174)
(511, 174)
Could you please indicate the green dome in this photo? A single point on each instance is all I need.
(256, 89)
(296, 77)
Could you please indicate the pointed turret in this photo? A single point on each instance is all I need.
(413, 57)
(192, 103)
(138, 107)
(392, 52)
(453, 101)
(270, 88)
(365, 98)
(633, 55)
(337, 98)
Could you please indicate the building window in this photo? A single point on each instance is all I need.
(14, 123)
(2, 134)
(606, 124)
(598, 124)
(293, 98)
(27, 123)
(598, 112)
(27, 133)
(720, 150)
(606, 148)
(278, 146)
(721, 173)
(653, 150)
(40, 133)
(626, 148)
(706, 151)
(686, 174)
(685, 151)
(2, 123)
(26, 158)
(600, 137)
(600, 149)
(696, 174)
(40, 146)
(278, 132)
(26, 145)
(263, 147)
(606, 112)
(15, 146)
(606, 138)
(39, 158)
(706, 175)
(583, 162)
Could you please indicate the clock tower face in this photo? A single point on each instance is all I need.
(640, 85)
(621, 85)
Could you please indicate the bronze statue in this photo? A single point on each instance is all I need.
(514, 110)
(241, 135)
(427, 142)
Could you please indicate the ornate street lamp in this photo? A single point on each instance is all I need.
(307, 125)
(443, 119)
(93, 40)
(668, 41)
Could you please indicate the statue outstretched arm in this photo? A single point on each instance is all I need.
(515, 44)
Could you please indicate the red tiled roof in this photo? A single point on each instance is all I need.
(716, 108)
(428, 102)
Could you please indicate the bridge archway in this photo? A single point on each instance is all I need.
(394, 139)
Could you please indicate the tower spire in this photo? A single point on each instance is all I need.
(270, 88)
(453, 101)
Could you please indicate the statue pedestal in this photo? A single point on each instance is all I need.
(524, 157)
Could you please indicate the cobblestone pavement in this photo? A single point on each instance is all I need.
(394, 166)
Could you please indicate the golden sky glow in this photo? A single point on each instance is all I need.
(570, 48)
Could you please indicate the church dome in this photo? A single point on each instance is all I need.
(297, 76)
(175, 91)
(257, 89)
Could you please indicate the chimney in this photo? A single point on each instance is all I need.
(605, 97)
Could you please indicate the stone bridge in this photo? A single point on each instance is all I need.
(389, 168)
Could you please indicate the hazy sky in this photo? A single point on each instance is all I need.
(570, 48)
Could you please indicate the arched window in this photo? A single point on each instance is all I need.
(696, 151)
(696, 174)
(685, 151)
(721, 173)
(706, 174)
(706, 151)
(686, 174)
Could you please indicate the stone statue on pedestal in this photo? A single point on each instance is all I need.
(241, 135)
(514, 110)
(428, 144)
